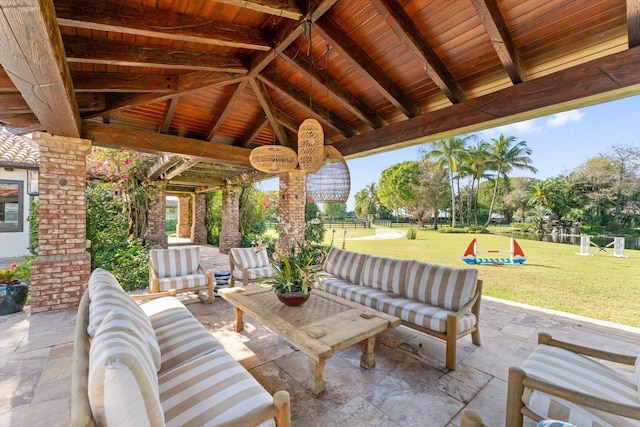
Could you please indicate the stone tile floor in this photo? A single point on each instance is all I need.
(408, 387)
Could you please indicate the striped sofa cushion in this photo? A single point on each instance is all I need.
(184, 340)
(445, 287)
(121, 369)
(165, 311)
(576, 372)
(386, 274)
(175, 261)
(423, 315)
(254, 273)
(189, 281)
(106, 295)
(364, 295)
(343, 264)
(229, 392)
(249, 257)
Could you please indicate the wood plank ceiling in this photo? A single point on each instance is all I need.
(201, 83)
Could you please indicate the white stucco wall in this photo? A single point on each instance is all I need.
(13, 244)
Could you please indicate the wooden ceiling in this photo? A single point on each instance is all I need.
(202, 82)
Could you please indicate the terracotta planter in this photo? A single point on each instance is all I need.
(294, 298)
(12, 297)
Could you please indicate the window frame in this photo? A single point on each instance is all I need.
(19, 227)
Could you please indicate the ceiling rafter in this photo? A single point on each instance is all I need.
(14, 103)
(41, 74)
(501, 39)
(121, 17)
(633, 22)
(254, 132)
(227, 107)
(270, 110)
(184, 166)
(420, 49)
(169, 111)
(163, 164)
(285, 9)
(350, 102)
(112, 52)
(302, 99)
(350, 50)
(122, 82)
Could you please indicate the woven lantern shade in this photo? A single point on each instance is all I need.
(332, 182)
(273, 159)
(310, 143)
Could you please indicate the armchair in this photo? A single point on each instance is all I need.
(178, 269)
(248, 264)
(562, 381)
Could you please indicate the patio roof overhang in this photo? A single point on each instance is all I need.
(202, 83)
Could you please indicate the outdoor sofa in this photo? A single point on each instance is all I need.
(154, 364)
(440, 301)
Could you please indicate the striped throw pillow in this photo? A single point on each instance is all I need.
(446, 287)
(386, 274)
(249, 257)
(345, 265)
(121, 369)
(175, 261)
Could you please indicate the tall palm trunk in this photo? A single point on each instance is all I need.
(493, 198)
(453, 199)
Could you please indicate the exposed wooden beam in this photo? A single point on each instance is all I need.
(20, 124)
(601, 80)
(420, 49)
(112, 52)
(121, 82)
(169, 111)
(501, 39)
(254, 132)
(288, 122)
(269, 110)
(350, 102)
(116, 136)
(351, 51)
(286, 9)
(163, 164)
(223, 112)
(122, 17)
(633, 22)
(179, 169)
(6, 85)
(88, 101)
(14, 103)
(33, 56)
(187, 83)
(193, 181)
(302, 99)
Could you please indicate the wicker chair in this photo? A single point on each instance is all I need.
(557, 381)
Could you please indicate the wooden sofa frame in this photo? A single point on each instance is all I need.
(518, 380)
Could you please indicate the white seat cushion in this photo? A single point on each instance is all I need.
(175, 261)
(188, 281)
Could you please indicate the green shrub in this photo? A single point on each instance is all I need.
(412, 233)
(33, 225)
(171, 225)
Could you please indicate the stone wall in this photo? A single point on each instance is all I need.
(184, 217)
(199, 229)
(156, 235)
(230, 232)
(63, 265)
(291, 210)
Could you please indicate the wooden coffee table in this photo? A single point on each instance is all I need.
(320, 327)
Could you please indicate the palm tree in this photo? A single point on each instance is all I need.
(367, 201)
(504, 157)
(476, 165)
(447, 154)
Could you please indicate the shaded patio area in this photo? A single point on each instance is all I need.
(408, 387)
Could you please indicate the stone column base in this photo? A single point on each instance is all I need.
(199, 234)
(58, 281)
(156, 240)
(229, 240)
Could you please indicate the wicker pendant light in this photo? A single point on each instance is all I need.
(273, 159)
(332, 182)
(310, 143)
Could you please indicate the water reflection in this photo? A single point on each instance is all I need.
(573, 239)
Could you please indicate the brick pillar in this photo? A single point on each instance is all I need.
(199, 229)
(63, 265)
(230, 233)
(291, 210)
(184, 216)
(156, 235)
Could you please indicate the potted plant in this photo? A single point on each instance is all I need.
(294, 274)
(13, 292)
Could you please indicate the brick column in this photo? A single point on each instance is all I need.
(199, 229)
(63, 265)
(184, 216)
(156, 234)
(230, 233)
(291, 210)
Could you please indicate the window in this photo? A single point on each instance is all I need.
(11, 201)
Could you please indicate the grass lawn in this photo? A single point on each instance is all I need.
(554, 276)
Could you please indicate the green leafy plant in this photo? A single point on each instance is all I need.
(293, 272)
(7, 274)
(412, 233)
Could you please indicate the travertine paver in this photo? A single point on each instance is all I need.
(408, 387)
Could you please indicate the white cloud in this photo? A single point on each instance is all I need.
(526, 127)
(565, 117)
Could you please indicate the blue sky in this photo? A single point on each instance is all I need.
(560, 142)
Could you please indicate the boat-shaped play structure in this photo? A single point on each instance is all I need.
(516, 255)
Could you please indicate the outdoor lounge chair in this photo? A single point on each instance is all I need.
(178, 269)
(562, 381)
(249, 265)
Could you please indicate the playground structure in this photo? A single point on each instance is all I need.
(516, 255)
(617, 243)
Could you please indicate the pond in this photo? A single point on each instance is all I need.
(630, 242)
